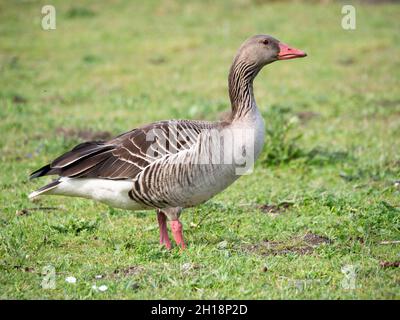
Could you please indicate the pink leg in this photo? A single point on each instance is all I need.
(177, 232)
(162, 222)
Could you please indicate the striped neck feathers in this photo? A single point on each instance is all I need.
(240, 83)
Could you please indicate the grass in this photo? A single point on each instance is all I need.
(323, 198)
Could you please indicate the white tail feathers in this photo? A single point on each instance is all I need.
(33, 195)
(44, 189)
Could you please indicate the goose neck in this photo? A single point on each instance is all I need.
(240, 83)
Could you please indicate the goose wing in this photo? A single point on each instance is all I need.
(125, 156)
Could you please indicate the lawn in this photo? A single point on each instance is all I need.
(318, 218)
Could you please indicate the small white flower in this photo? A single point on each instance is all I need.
(293, 120)
(103, 288)
(186, 267)
(222, 244)
(70, 279)
(99, 276)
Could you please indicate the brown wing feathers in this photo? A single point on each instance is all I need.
(80, 158)
(122, 157)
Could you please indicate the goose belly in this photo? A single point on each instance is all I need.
(114, 193)
(209, 185)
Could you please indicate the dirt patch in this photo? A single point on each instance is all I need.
(25, 269)
(28, 211)
(83, 134)
(158, 60)
(389, 264)
(19, 99)
(305, 116)
(298, 245)
(315, 240)
(385, 103)
(275, 210)
(267, 248)
(126, 272)
(346, 61)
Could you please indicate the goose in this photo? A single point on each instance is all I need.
(174, 164)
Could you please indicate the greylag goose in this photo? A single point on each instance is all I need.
(175, 164)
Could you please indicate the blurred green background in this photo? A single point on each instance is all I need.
(324, 194)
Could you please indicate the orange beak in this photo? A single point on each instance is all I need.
(286, 52)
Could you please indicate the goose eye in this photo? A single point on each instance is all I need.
(265, 41)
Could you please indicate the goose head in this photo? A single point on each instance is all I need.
(261, 50)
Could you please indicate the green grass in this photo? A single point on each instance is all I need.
(331, 160)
